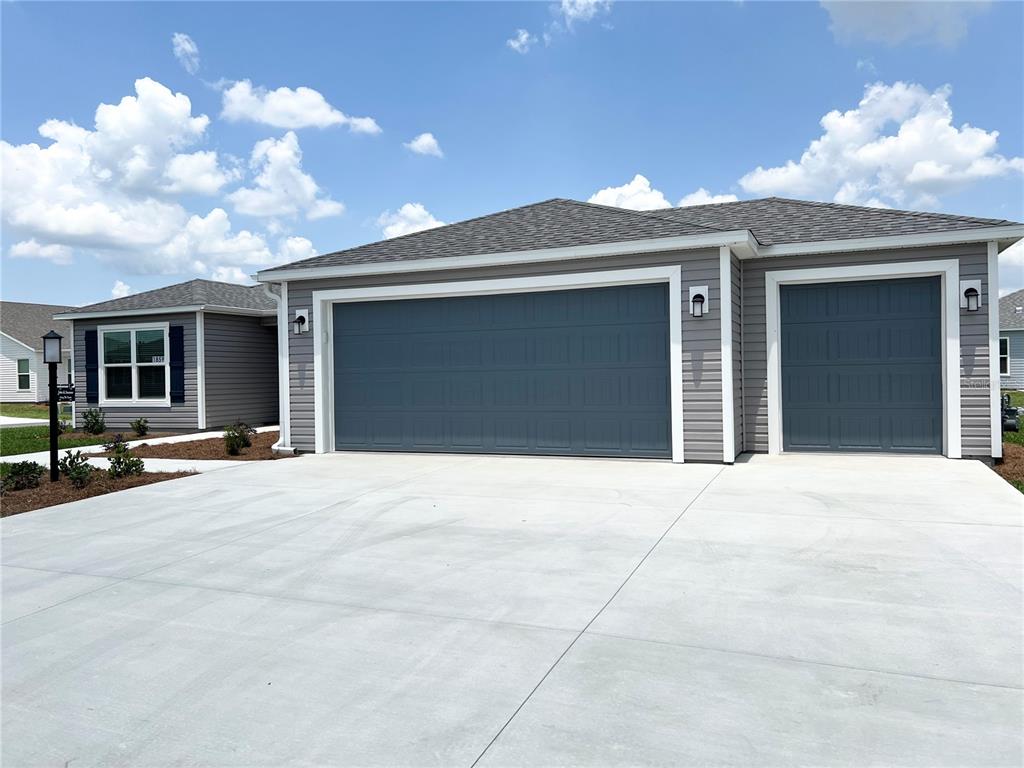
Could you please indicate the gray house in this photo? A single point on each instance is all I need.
(1011, 340)
(693, 334)
(190, 356)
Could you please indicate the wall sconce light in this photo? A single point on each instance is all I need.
(301, 321)
(970, 295)
(699, 304)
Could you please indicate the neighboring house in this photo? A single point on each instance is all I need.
(1011, 341)
(569, 328)
(23, 376)
(195, 355)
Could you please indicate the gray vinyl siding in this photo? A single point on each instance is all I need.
(241, 370)
(178, 417)
(736, 278)
(1015, 379)
(702, 375)
(974, 347)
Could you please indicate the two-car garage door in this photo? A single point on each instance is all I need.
(574, 372)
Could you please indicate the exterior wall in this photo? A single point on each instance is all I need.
(240, 365)
(10, 352)
(702, 376)
(178, 417)
(736, 271)
(976, 418)
(1015, 379)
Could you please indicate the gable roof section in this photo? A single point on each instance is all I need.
(1009, 318)
(28, 322)
(192, 294)
(561, 223)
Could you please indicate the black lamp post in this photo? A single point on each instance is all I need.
(51, 356)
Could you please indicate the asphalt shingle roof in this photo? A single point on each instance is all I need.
(559, 223)
(188, 294)
(28, 322)
(1010, 319)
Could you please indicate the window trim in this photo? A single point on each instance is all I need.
(134, 366)
(27, 373)
(1001, 355)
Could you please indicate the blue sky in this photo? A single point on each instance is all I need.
(691, 96)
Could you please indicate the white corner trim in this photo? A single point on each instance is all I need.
(993, 350)
(947, 269)
(200, 371)
(725, 323)
(323, 321)
(741, 239)
(283, 444)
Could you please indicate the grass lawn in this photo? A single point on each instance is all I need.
(1016, 398)
(25, 410)
(15, 440)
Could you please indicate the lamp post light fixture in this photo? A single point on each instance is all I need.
(51, 356)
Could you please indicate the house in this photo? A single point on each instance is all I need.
(195, 355)
(694, 334)
(23, 377)
(1011, 341)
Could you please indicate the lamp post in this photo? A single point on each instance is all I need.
(51, 356)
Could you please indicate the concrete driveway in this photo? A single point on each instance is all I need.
(446, 610)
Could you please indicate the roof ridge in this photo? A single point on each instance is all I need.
(651, 213)
(899, 211)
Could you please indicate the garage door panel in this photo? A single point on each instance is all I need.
(563, 372)
(866, 374)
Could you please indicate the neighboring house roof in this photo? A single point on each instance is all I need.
(1011, 312)
(28, 322)
(191, 294)
(560, 223)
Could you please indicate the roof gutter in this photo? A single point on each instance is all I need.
(740, 240)
(1006, 235)
(165, 311)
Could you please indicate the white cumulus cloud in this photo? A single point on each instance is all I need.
(301, 107)
(703, 197)
(31, 249)
(898, 146)
(186, 52)
(424, 144)
(1011, 268)
(411, 217)
(575, 11)
(281, 188)
(521, 41)
(207, 242)
(120, 290)
(637, 195)
(197, 173)
(898, 21)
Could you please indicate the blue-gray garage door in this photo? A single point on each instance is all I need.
(862, 366)
(578, 372)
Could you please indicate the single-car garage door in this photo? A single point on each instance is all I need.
(862, 366)
(576, 372)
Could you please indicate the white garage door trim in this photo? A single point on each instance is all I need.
(947, 269)
(323, 319)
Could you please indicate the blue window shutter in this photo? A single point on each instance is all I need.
(92, 368)
(176, 341)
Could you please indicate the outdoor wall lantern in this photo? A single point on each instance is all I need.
(699, 300)
(301, 321)
(970, 295)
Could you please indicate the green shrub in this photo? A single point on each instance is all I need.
(116, 444)
(141, 427)
(22, 475)
(94, 422)
(80, 476)
(123, 464)
(238, 436)
(71, 461)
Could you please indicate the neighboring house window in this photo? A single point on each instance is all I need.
(1004, 356)
(24, 379)
(134, 364)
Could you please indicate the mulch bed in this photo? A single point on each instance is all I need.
(1012, 466)
(49, 494)
(211, 448)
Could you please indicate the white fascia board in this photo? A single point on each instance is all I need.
(955, 237)
(20, 343)
(740, 239)
(115, 314)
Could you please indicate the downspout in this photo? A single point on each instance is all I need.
(283, 445)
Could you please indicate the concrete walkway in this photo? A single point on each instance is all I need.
(407, 610)
(19, 421)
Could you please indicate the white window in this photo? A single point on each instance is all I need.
(24, 379)
(134, 365)
(1004, 356)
